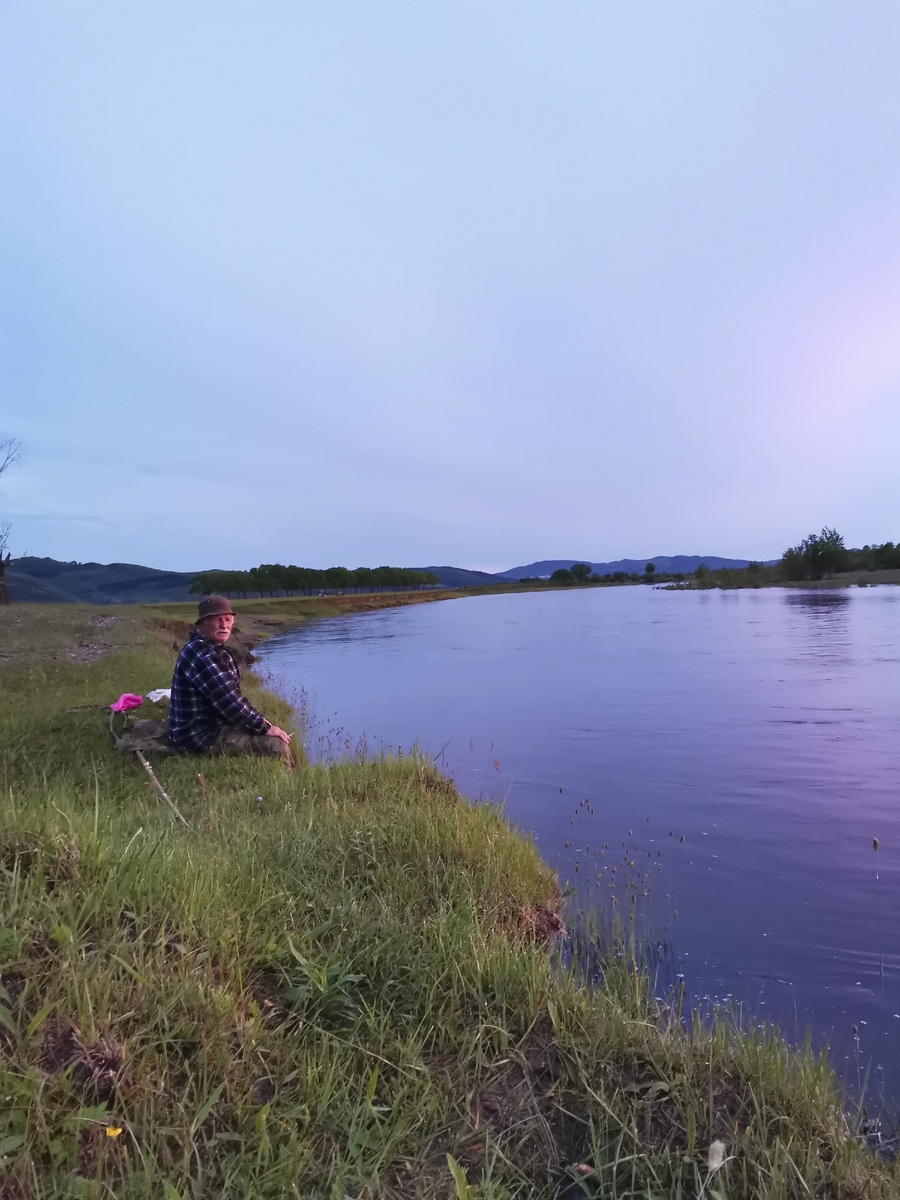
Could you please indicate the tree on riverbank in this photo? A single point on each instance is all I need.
(273, 579)
(818, 556)
(10, 453)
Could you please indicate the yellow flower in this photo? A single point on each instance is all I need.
(113, 1131)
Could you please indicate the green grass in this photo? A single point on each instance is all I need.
(329, 987)
(259, 613)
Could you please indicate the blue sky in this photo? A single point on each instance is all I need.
(445, 282)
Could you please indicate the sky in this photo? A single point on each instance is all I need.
(448, 283)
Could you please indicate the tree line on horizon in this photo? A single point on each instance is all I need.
(823, 555)
(271, 579)
(582, 573)
(819, 556)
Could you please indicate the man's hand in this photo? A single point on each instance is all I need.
(274, 731)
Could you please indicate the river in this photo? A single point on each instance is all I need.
(731, 754)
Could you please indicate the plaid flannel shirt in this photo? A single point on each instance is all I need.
(206, 695)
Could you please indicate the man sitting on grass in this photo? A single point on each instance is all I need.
(207, 713)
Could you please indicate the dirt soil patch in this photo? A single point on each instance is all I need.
(66, 633)
(96, 1066)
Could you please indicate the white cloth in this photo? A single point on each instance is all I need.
(159, 694)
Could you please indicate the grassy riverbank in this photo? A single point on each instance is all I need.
(335, 984)
(263, 615)
(769, 577)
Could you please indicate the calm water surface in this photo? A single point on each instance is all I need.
(761, 727)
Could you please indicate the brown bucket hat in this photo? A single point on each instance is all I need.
(214, 606)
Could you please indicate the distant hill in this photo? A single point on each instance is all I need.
(459, 577)
(676, 564)
(51, 581)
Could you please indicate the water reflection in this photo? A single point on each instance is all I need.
(816, 600)
(822, 618)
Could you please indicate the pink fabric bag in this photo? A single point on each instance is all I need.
(125, 701)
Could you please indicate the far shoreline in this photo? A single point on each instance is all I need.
(261, 617)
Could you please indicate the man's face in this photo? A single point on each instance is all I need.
(218, 628)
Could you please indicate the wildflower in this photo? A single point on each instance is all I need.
(113, 1131)
(716, 1158)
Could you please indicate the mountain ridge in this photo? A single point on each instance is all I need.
(52, 581)
(668, 564)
